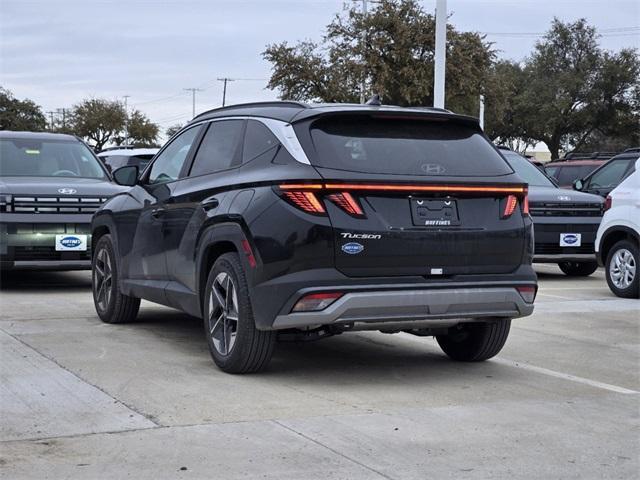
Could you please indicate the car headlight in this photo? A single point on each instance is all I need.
(5, 202)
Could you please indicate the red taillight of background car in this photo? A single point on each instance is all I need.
(525, 205)
(607, 203)
(314, 302)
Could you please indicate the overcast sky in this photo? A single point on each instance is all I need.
(58, 52)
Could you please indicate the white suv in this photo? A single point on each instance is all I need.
(618, 238)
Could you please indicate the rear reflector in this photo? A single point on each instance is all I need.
(315, 301)
(306, 201)
(608, 202)
(527, 292)
(510, 206)
(249, 253)
(346, 201)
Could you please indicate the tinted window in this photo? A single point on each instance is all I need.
(218, 148)
(552, 171)
(570, 173)
(610, 175)
(167, 166)
(527, 170)
(408, 147)
(115, 161)
(47, 158)
(257, 140)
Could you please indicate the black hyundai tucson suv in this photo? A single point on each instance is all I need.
(286, 220)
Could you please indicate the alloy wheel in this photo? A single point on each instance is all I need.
(103, 275)
(223, 313)
(622, 268)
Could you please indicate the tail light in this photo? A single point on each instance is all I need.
(527, 292)
(314, 302)
(346, 202)
(510, 206)
(525, 205)
(608, 203)
(307, 201)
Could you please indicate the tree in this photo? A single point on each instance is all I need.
(575, 91)
(172, 130)
(141, 131)
(20, 114)
(99, 121)
(396, 60)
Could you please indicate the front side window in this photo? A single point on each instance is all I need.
(218, 148)
(610, 175)
(170, 161)
(31, 157)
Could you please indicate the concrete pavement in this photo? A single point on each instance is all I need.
(81, 399)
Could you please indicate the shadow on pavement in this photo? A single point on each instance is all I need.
(37, 280)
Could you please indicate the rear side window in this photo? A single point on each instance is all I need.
(404, 147)
(257, 140)
(570, 173)
(218, 148)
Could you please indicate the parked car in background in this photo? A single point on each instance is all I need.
(566, 172)
(116, 158)
(565, 222)
(50, 186)
(618, 239)
(282, 218)
(607, 177)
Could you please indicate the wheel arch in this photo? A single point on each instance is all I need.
(612, 236)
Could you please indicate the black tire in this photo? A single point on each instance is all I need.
(236, 345)
(475, 342)
(578, 269)
(621, 250)
(111, 304)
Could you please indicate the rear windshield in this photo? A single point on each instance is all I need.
(527, 170)
(403, 147)
(47, 158)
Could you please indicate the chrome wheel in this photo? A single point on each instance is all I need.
(223, 313)
(622, 268)
(103, 279)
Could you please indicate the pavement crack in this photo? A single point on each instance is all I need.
(51, 359)
(340, 454)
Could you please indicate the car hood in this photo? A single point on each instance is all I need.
(52, 186)
(552, 194)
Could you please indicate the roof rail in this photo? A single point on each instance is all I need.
(632, 150)
(279, 103)
(587, 156)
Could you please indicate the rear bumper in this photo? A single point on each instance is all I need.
(413, 308)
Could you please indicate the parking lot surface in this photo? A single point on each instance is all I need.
(82, 399)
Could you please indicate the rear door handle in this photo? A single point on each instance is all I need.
(158, 212)
(210, 204)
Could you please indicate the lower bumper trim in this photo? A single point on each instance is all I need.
(433, 306)
(564, 257)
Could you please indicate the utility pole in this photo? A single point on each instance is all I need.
(193, 94)
(481, 116)
(364, 43)
(63, 111)
(224, 88)
(441, 44)
(51, 119)
(126, 121)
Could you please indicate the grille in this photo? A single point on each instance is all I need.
(555, 209)
(555, 249)
(47, 253)
(51, 204)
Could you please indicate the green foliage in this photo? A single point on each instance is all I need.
(395, 60)
(99, 121)
(20, 115)
(172, 130)
(141, 131)
(576, 93)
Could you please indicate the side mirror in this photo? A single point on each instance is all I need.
(578, 184)
(127, 176)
